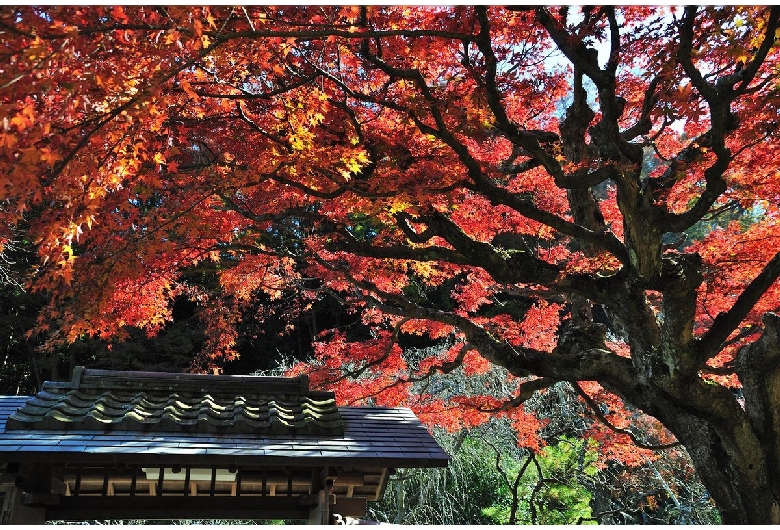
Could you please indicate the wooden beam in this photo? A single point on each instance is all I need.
(172, 508)
(36, 500)
(350, 479)
(17, 513)
(352, 507)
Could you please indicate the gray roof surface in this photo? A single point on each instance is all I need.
(390, 437)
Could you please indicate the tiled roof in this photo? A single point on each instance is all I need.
(148, 401)
(111, 445)
(390, 437)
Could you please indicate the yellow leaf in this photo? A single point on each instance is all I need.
(399, 206)
(67, 249)
(19, 121)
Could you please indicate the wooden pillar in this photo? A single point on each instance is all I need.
(36, 487)
(21, 514)
(320, 514)
(321, 488)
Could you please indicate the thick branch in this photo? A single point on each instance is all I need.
(529, 140)
(581, 56)
(595, 364)
(751, 68)
(726, 323)
(527, 390)
(323, 34)
(518, 266)
(236, 205)
(496, 194)
(600, 239)
(715, 184)
(719, 97)
(685, 58)
(509, 268)
(402, 252)
(644, 124)
(614, 41)
(248, 95)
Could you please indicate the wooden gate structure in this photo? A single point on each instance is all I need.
(149, 445)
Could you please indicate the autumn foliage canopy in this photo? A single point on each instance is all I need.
(583, 195)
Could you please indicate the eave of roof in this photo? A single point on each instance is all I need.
(376, 437)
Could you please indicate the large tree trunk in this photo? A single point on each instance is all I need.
(732, 443)
(734, 469)
(758, 367)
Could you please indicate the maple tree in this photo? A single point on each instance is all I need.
(527, 185)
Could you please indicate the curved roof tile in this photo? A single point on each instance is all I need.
(106, 400)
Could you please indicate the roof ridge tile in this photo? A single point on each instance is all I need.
(106, 400)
